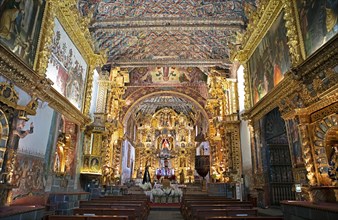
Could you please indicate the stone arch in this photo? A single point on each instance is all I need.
(127, 111)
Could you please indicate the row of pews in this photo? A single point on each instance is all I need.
(127, 207)
(203, 207)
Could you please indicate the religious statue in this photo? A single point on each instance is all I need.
(146, 176)
(181, 177)
(60, 158)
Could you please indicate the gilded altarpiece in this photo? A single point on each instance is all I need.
(308, 86)
(165, 139)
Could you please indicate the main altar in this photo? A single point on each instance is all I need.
(165, 144)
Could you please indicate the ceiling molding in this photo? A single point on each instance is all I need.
(167, 24)
(171, 62)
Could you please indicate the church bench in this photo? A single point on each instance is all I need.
(187, 209)
(205, 199)
(195, 207)
(244, 218)
(138, 207)
(201, 214)
(82, 217)
(131, 213)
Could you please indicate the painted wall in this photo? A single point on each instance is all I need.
(67, 68)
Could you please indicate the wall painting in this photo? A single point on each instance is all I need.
(270, 60)
(67, 68)
(318, 22)
(20, 24)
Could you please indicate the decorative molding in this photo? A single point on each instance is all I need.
(324, 58)
(293, 33)
(285, 88)
(77, 29)
(37, 86)
(259, 23)
(160, 23)
(170, 62)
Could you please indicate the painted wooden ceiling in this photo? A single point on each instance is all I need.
(166, 45)
(165, 32)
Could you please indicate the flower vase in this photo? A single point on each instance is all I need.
(163, 199)
(170, 199)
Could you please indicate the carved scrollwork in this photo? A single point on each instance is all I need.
(292, 33)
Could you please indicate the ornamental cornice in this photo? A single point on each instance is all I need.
(272, 100)
(324, 58)
(259, 23)
(37, 86)
(170, 62)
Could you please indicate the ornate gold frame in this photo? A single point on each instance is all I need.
(77, 29)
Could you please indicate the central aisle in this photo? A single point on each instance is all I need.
(165, 215)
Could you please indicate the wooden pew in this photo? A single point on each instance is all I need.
(190, 206)
(244, 218)
(143, 203)
(185, 202)
(203, 214)
(141, 208)
(81, 217)
(131, 213)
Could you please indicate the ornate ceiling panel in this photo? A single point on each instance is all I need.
(137, 33)
(153, 104)
(167, 78)
(158, 45)
(112, 9)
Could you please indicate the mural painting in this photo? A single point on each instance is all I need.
(294, 142)
(67, 68)
(28, 176)
(318, 22)
(270, 60)
(28, 141)
(20, 24)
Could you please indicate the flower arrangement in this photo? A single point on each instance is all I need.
(145, 186)
(170, 194)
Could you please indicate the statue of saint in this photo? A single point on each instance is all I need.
(146, 176)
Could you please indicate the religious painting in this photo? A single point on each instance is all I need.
(20, 24)
(128, 158)
(294, 142)
(270, 60)
(67, 67)
(28, 176)
(92, 109)
(318, 22)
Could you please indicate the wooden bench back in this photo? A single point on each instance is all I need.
(81, 217)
